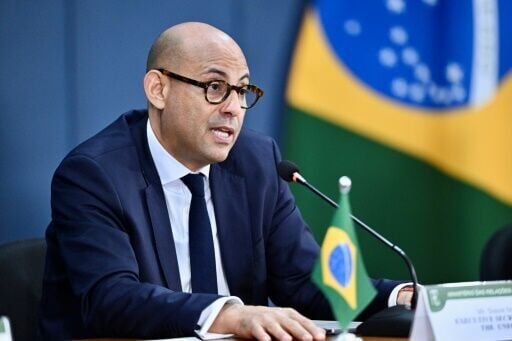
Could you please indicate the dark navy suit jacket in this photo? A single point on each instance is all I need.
(111, 267)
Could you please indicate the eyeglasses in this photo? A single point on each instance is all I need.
(216, 91)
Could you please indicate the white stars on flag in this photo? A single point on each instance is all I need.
(395, 6)
(398, 35)
(430, 2)
(352, 27)
(387, 57)
(399, 87)
(412, 77)
(454, 73)
(410, 56)
(422, 73)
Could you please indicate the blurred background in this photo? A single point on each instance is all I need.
(68, 68)
(411, 99)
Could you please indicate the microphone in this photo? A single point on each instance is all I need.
(380, 323)
(289, 172)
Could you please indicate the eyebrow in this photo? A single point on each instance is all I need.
(224, 74)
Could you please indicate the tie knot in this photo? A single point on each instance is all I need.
(195, 184)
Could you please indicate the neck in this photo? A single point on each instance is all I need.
(156, 127)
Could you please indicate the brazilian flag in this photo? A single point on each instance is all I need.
(339, 271)
(413, 101)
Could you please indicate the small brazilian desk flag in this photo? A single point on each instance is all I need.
(339, 272)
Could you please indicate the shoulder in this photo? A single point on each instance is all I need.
(112, 148)
(113, 138)
(117, 135)
(253, 143)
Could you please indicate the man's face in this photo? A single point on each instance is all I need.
(194, 131)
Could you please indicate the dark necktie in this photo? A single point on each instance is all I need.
(200, 240)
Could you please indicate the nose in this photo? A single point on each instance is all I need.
(232, 104)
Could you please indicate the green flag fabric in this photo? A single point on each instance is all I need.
(413, 101)
(339, 271)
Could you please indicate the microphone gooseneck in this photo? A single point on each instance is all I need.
(289, 172)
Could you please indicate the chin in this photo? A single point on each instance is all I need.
(220, 156)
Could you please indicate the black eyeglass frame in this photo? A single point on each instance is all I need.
(205, 85)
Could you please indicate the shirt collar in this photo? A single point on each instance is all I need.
(169, 169)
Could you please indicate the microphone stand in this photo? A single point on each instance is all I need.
(393, 321)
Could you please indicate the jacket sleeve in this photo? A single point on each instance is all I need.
(99, 263)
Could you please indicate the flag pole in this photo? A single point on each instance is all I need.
(345, 184)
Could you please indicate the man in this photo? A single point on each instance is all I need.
(123, 256)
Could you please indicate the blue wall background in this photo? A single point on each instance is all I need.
(68, 68)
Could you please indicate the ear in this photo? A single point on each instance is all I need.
(154, 89)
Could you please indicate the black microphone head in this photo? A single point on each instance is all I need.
(286, 169)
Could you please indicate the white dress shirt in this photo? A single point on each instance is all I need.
(177, 199)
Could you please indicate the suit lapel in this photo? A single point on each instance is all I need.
(157, 208)
(234, 230)
(163, 236)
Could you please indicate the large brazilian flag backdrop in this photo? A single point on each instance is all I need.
(413, 100)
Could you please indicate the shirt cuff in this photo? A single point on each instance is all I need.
(394, 294)
(209, 314)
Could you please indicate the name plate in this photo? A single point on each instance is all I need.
(464, 311)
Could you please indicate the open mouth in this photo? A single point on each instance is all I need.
(223, 134)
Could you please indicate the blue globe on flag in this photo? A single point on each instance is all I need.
(405, 50)
(340, 264)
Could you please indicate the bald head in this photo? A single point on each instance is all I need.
(196, 126)
(187, 42)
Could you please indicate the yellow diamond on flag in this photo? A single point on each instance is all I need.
(338, 259)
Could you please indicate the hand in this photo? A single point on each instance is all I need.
(264, 323)
(404, 296)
